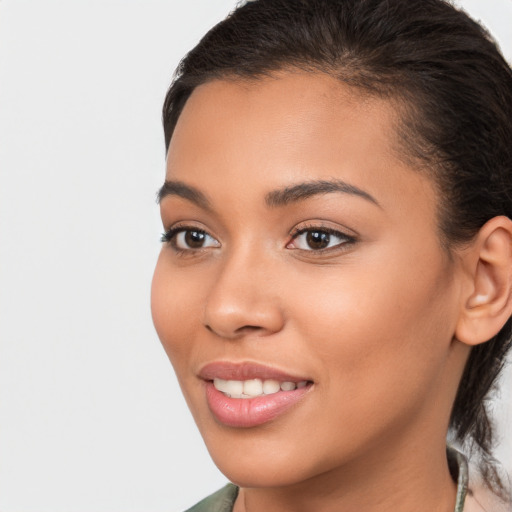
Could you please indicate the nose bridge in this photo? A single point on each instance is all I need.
(241, 298)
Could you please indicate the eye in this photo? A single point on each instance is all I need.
(184, 239)
(318, 239)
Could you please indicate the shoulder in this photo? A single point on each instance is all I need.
(220, 501)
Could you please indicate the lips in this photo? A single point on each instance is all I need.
(248, 394)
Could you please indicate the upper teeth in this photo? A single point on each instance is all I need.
(254, 387)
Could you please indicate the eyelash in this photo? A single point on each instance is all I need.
(170, 235)
(348, 240)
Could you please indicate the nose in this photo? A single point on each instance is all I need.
(243, 300)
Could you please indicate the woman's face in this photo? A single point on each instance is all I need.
(301, 249)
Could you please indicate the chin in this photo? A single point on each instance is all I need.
(260, 474)
(264, 457)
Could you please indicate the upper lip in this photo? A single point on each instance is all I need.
(244, 371)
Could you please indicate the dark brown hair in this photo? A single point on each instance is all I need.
(455, 92)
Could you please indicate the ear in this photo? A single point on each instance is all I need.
(487, 298)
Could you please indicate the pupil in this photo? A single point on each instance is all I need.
(318, 239)
(194, 239)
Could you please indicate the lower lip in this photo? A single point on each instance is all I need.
(251, 412)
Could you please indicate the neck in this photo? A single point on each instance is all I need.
(412, 477)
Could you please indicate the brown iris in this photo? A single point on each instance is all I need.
(318, 239)
(195, 239)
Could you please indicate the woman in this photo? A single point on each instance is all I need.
(334, 289)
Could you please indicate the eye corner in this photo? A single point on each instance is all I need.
(166, 235)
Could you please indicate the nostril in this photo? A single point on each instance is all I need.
(240, 331)
(248, 328)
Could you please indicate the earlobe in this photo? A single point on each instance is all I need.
(487, 305)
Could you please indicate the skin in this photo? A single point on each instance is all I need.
(371, 320)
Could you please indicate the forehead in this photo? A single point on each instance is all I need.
(287, 107)
(290, 127)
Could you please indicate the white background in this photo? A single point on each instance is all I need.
(91, 418)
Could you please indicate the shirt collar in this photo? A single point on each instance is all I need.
(459, 469)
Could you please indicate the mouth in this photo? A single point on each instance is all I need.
(255, 387)
(248, 395)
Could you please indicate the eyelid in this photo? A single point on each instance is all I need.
(176, 227)
(170, 234)
(347, 236)
(322, 225)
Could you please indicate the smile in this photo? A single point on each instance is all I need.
(255, 387)
(249, 394)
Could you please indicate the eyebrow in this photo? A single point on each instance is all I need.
(275, 198)
(303, 191)
(180, 189)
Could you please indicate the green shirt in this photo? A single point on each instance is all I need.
(221, 501)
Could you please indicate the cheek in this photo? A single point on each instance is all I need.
(381, 331)
(174, 301)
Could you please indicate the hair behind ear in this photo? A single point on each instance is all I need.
(471, 418)
(486, 325)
